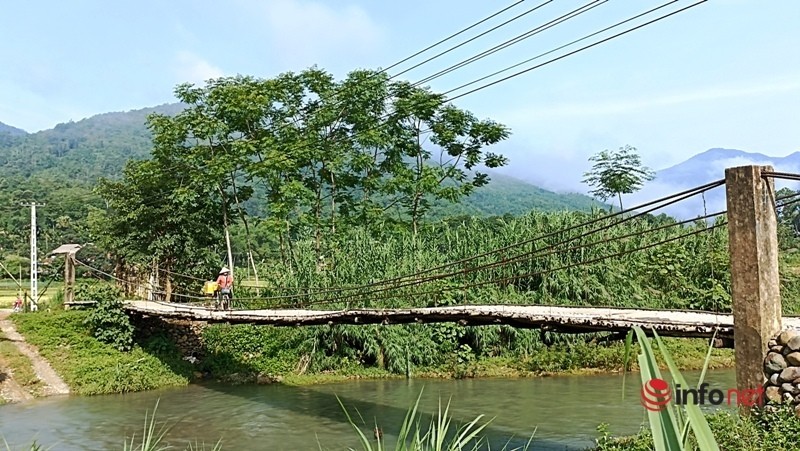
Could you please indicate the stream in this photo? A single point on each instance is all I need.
(563, 411)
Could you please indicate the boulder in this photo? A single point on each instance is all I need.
(789, 388)
(786, 336)
(773, 380)
(789, 374)
(793, 358)
(773, 394)
(774, 363)
(263, 379)
(794, 344)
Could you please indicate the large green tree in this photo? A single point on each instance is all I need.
(617, 172)
(155, 216)
(326, 153)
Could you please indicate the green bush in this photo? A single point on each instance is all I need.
(765, 430)
(90, 366)
(251, 349)
(108, 321)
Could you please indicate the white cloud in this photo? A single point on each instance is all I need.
(194, 69)
(309, 32)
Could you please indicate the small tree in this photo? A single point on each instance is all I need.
(617, 173)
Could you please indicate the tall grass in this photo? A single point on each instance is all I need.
(687, 273)
(671, 425)
(439, 435)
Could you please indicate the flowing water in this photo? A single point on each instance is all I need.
(564, 412)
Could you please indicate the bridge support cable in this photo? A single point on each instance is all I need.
(527, 257)
(419, 277)
(755, 279)
(307, 296)
(511, 279)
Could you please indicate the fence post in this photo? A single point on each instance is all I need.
(755, 282)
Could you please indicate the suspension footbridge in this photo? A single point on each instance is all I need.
(675, 323)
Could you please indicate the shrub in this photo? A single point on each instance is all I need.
(108, 321)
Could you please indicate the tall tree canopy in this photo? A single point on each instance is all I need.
(319, 154)
(326, 153)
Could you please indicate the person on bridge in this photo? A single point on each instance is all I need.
(225, 282)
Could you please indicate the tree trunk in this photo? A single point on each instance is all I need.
(414, 211)
(246, 234)
(225, 226)
(333, 203)
(619, 196)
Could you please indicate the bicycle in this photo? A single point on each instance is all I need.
(223, 300)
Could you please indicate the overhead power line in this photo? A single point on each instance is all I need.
(575, 51)
(515, 40)
(463, 30)
(514, 66)
(473, 38)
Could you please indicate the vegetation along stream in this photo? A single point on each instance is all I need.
(564, 412)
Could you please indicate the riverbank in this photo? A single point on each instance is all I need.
(25, 374)
(263, 355)
(767, 430)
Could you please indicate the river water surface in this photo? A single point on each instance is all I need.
(564, 412)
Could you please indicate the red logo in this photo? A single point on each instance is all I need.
(656, 394)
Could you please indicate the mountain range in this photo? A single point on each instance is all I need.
(13, 131)
(710, 165)
(707, 167)
(99, 146)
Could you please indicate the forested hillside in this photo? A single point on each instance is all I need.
(10, 130)
(98, 146)
(61, 166)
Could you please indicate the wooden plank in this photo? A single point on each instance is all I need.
(674, 323)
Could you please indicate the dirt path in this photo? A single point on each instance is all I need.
(53, 384)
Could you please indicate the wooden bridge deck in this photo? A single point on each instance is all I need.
(562, 319)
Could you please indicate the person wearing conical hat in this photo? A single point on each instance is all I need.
(225, 281)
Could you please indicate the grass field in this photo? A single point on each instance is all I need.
(9, 291)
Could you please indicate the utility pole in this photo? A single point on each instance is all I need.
(34, 253)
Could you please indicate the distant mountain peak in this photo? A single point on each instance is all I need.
(14, 131)
(710, 165)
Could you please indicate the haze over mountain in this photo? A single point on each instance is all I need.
(99, 146)
(707, 167)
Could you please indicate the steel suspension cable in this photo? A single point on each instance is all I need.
(524, 257)
(653, 205)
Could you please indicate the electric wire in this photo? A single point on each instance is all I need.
(575, 51)
(557, 48)
(515, 40)
(473, 38)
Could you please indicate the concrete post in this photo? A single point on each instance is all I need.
(755, 283)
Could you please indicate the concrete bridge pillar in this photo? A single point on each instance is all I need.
(755, 282)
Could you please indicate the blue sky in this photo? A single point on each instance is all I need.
(723, 74)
